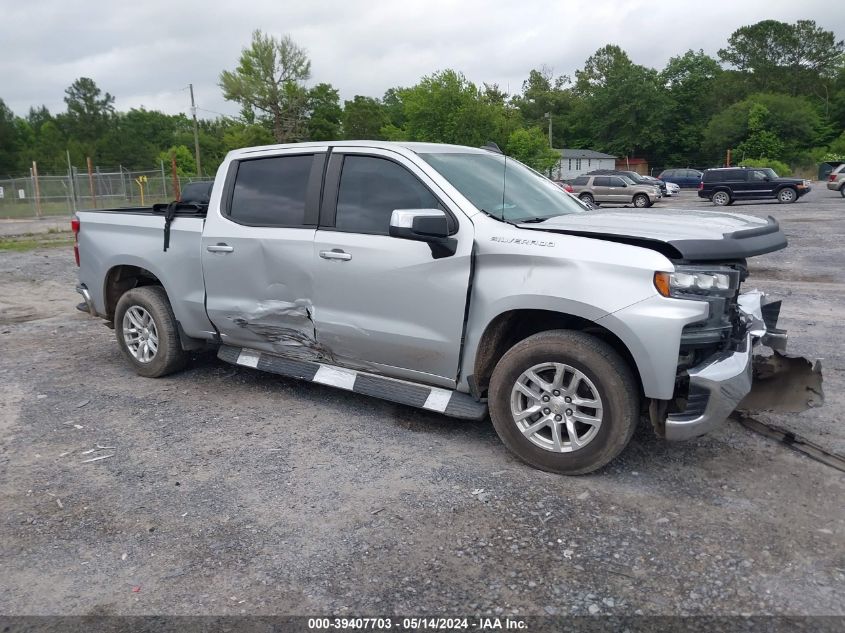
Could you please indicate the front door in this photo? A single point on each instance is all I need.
(258, 251)
(382, 303)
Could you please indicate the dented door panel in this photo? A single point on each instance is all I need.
(260, 295)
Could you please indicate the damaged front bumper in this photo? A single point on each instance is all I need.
(737, 378)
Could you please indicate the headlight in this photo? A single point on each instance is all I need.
(688, 280)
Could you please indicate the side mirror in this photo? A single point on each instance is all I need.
(766, 178)
(424, 225)
(624, 184)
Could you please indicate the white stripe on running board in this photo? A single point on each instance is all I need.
(437, 400)
(248, 358)
(335, 377)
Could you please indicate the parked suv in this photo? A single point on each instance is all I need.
(726, 185)
(614, 190)
(836, 180)
(681, 177)
(637, 178)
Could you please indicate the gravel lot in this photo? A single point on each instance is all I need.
(230, 491)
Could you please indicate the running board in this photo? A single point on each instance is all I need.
(452, 403)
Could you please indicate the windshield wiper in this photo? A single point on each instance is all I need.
(496, 217)
(534, 220)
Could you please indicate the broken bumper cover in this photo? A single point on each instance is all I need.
(737, 379)
(716, 387)
(88, 304)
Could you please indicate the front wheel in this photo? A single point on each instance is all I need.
(564, 402)
(147, 332)
(787, 195)
(641, 201)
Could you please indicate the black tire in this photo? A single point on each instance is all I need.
(842, 191)
(722, 198)
(787, 195)
(609, 373)
(641, 201)
(169, 356)
(587, 198)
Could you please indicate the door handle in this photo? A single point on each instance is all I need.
(336, 254)
(219, 248)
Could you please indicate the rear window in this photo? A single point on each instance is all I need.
(725, 175)
(271, 191)
(581, 180)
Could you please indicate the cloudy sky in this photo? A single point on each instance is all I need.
(146, 52)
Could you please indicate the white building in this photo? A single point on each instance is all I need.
(574, 162)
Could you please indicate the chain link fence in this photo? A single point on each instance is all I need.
(48, 195)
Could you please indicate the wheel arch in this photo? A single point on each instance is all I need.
(512, 326)
(123, 277)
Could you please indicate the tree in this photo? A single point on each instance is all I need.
(186, 165)
(89, 112)
(531, 146)
(10, 144)
(363, 118)
(784, 57)
(270, 78)
(792, 120)
(624, 104)
(761, 142)
(690, 80)
(324, 113)
(445, 107)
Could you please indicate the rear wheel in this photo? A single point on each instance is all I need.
(587, 198)
(147, 332)
(721, 198)
(787, 195)
(564, 402)
(842, 191)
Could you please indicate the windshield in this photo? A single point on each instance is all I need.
(628, 180)
(504, 188)
(771, 173)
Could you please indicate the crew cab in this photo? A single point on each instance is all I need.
(448, 278)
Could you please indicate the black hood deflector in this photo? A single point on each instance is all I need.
(737, 245)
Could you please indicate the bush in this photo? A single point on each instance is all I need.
(782, 169)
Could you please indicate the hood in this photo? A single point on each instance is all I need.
(678, 234)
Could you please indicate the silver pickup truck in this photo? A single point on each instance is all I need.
(448, 278)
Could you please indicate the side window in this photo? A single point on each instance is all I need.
(371, 189)
(581, 181)
(601, 181)
(271, 191)
(617, 182)
(757, 176)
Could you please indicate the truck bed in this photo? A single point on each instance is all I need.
(134, 236)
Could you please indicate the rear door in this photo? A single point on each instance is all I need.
(382, 303)
(601, 189)
(258, 250)
(737, 181)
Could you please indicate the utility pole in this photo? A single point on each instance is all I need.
(196, 133)
(549, 117)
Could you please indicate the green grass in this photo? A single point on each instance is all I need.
(33, 241)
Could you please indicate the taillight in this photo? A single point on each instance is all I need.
(832, 177)
(75, 225)
(700, 185)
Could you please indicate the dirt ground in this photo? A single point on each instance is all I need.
(228, 491)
